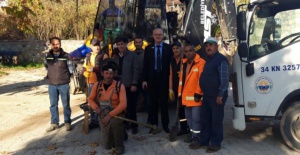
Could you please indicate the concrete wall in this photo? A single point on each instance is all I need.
(34, 51)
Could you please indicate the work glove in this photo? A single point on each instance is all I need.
(86, 74)
(89, 68)
(171, 95)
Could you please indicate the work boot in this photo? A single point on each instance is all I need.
(134, 130)
(107, 147)
(68, 126)
(150, 131)
(188, 138)
(196, 145)
(182, 132)
(120, 150)
(52, 127)
(166, 129)
(212, 149)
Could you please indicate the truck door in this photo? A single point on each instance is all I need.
(275, 60)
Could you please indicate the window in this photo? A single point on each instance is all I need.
(270, 31)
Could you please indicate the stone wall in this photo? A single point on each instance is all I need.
(34, 51)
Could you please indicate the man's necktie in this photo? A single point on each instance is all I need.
(158, 59)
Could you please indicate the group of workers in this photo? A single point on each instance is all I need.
(158, 71)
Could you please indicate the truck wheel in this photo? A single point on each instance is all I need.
(72, 86)
(290, 127)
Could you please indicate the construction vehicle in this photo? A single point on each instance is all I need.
(128, 17)
(120, 17)
(266, 67)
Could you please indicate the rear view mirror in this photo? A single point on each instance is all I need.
(241, 25)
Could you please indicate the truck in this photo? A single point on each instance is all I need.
(266, 67)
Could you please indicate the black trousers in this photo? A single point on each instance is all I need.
(131, 106)
(158, 92)
(212, 116)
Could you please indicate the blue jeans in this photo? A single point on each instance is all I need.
(192, 115)
(54, 92)
(90, 87)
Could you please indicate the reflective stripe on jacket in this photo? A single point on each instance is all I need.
(191, 85)
(58, 72)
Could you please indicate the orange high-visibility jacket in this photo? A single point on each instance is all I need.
(191, 85)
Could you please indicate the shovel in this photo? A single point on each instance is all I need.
(175, 130)
(85, 107)
(154, 127)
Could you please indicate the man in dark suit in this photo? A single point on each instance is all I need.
(156, 72)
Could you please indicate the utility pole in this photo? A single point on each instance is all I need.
(77, 32)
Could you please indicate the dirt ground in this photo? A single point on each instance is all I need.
(24, 106)
(24, 117)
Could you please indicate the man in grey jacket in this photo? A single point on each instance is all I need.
(128, 74)
(145, 104)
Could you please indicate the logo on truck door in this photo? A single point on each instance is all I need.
(263, 85)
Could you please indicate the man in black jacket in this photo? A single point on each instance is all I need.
(156, 71)
(59, 69)
(128, 74)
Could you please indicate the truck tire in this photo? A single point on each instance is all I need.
(290, 127)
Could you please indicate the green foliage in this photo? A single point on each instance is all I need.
(2, 73)
(41, 19)
(239, 2)
(215, 30)
(23, 66)
(18, 16)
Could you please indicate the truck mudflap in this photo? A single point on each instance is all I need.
(239, 118)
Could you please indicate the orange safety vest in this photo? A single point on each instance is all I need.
(191, 83)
